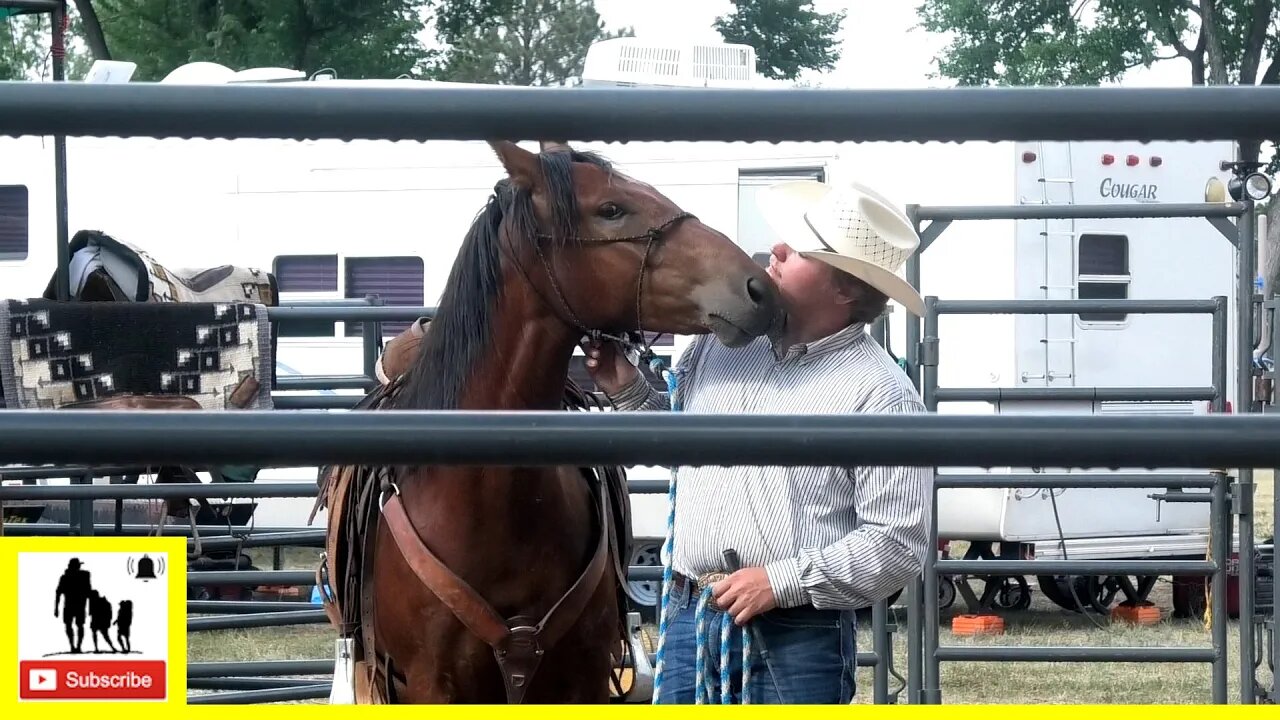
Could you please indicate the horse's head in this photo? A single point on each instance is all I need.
(607, 247)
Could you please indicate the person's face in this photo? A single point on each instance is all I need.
(808, 286)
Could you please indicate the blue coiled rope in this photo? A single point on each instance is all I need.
(704, 691)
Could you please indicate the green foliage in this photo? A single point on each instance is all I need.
(789, 36)
(536, 42)
(356, 38)
(26, 42)
(1091, 42)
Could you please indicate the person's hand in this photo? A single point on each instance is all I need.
(745, 594)
(608, 367)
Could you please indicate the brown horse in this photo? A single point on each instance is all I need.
(467, 584)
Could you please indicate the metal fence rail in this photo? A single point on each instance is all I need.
(279, 439)
(628, 114)
(930, 691)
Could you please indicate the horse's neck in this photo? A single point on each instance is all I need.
(528, 358)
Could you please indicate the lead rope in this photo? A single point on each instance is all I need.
(703, 688)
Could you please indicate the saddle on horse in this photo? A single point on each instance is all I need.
(352, 496)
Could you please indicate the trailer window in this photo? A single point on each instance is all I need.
(396, 280)
(300, 277)
(754, 234)
(13, 222)
(1103, 273)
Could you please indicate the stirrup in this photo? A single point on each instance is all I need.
(343, 690)
(641, 669)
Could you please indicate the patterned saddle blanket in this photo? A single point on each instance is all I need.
(109, 270)
(214, 356)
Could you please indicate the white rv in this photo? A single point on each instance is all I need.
(334, 219)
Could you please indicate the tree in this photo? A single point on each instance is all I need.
(789, 36)
(1090, 42)
(355, 38)
(26, 42)
(536, 42)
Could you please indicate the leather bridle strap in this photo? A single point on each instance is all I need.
(519, 649)
(650, 237)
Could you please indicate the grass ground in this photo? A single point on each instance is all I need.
(998, 683)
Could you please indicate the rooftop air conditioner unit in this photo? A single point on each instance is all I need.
(630, 62)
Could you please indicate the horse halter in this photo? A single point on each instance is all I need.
(649, 237)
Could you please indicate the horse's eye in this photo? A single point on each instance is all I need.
(610, 211)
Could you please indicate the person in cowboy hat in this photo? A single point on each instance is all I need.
(815, 543)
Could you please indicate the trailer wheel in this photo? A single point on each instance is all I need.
(946, 593)
(1014, 593)
(1058, 589)
(1096, 593)
(646, 592)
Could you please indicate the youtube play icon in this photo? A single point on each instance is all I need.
(92, 680)
(42, 679)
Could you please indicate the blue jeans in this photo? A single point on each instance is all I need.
(812, 655)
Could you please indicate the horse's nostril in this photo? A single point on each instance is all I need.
(757, 290)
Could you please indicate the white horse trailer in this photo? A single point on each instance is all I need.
(340, 220)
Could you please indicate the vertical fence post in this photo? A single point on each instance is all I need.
(931, 692)
(1220, 533)
(1242, 491)
(80, 512)
(915, 639)
(880, 645)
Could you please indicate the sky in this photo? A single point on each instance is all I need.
(881, 48)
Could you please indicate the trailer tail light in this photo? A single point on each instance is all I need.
(1209, 407)
(1108, 158)
(1156, 161)
(1028, 157)
(1132, 160)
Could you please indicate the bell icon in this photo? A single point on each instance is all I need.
(146, 569)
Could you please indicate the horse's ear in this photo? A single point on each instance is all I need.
(521, 165)
(555, 146)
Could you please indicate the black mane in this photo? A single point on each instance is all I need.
(462, 329)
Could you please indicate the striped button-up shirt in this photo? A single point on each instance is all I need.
(830, 537)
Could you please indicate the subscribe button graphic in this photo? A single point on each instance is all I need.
(92, 680)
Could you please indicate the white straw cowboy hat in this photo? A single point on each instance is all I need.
(850, 227)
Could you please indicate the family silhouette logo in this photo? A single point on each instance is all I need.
(92, 626)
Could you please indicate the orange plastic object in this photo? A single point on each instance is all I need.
(1137, 614)
(977, 625)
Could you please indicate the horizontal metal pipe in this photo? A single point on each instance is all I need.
(1078, 212)
(259, 667)
(306, 577)
(266, 695)
(251, 577)
(1072, 480)
(1075, 567)
(314, 402)
(1184, 497)
(325, 382)
(314, 110)
(207, 532)
(1006, 653)
(46, 472)
(1097, 394)
(351, 313)
(298, 538)
(1073, 307)
(867, 659)
(272, 438)
(32, 5)
(256, 683)
(153, 491)
(648, 487)
(244, 607)
(257, 620)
